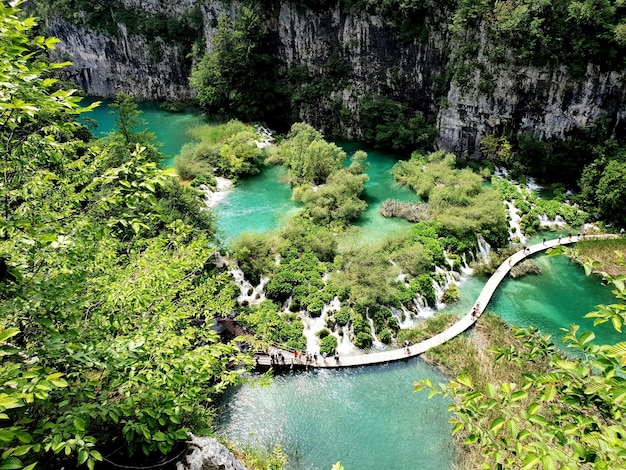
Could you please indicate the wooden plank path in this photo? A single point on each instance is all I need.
(463, 324)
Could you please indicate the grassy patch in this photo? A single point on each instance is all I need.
(603, 251)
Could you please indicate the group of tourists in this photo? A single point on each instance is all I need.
(307, 358)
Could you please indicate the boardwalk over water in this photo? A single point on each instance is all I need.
(463, 324)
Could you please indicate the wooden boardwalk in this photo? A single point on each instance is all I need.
(456, 329)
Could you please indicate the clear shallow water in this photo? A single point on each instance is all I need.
(261, 202)
(367, 418)
(170, 128)
(257, 204)
(561, 295)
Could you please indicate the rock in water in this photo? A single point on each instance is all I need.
(209, 454)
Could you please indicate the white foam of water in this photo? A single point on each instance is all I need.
(344, 344)
(211, 198)
(515, 230)
(483, 248)
(375, 343)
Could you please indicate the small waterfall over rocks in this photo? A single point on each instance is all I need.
(515, 230)
(484, 249)
(311, 327)
(375, 343)
(249, 294)
(465, 269)
(266, 138)
(210, 197)
(545, 221)
(344, 343)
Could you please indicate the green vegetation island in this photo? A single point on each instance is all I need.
(125, 315)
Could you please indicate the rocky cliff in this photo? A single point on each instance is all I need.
(492, 99)
(104, 64)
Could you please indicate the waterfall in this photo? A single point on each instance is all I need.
(344, 344)
(313, 325)
(248, 293)
(532, 185)
(465, 269)
(545, 221)
(515, 230)
(375, 343)
(448, 260)
(265, 136)
(483, 248)
(211, 198)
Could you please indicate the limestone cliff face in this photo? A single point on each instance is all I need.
(104, 65)
(546, 102)
(381, 64)
(494, 99)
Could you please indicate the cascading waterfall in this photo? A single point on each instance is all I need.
(545, 221)
(344, 343)
(375, 343)
(483, 249)
(465, 269)
(265, 135)
(313, 325)
(515, 230)
(210, 197)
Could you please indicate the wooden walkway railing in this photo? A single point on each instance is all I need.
(456, 329)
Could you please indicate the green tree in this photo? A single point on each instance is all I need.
(337, 202)
(107, 293)
(127, 134)
(237, 77)
(307, 157)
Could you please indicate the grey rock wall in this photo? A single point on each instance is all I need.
(381, 64)
(497, 98)
(546, 102)
(104, 65)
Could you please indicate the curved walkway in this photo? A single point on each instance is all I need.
(456, 329)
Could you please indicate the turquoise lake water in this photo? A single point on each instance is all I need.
(367, 418)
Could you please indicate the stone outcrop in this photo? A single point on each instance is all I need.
(494, 99)
(104, 65)
(209, 454)
(546, 102)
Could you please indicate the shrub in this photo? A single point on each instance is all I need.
(385, 336)
(451, 294)
(363, 340)
(328, 345)
(342, 317)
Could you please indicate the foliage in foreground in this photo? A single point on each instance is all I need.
(570, 415)
(107, 293)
